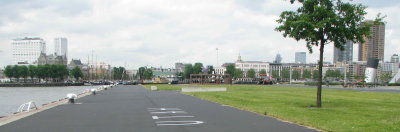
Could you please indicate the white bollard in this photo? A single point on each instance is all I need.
(93, 90)
(71, 98)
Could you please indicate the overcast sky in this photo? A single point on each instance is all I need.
(162, 32)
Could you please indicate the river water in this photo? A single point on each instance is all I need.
(12, 98)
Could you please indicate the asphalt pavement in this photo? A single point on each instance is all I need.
(135, 109)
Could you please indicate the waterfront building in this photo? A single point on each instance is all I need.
(61, 47)
(27, 50)
(374, 47)
(275, 67)
(345, 55)
(300, 57)
(51, 59)
(394, 58)
(257, 66)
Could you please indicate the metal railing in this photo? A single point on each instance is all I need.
(27, 106)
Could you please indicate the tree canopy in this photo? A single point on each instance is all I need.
(320, 22)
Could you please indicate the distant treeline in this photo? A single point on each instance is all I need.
(55, 73)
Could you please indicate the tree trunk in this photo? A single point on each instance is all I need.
(321, 60)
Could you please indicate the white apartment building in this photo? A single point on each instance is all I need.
(27, 50)
(219, 70)
(257, 66)
(61, 47)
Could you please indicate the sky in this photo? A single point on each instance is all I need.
(156, 33)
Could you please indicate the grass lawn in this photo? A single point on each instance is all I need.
(343, 110)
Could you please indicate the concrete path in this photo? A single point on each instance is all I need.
(135, 109)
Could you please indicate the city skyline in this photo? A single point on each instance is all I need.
(159, 33)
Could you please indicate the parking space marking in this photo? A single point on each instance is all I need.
(168, 112)
(163, 117)
(178, 123)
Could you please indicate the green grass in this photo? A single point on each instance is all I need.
(342, 110)
(165, 87)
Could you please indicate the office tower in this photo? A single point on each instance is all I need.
(61, 47)
(374, 47)
(27, 50)
(300, 57)
(345, 55)
(278, 58)
(394, 58)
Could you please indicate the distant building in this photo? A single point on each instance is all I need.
(180, 67)
(27, 50)
(373, 47)
(394, 58)
(219, 70)
(278, 59)
(75, 63)
(300, 57)
(345, 55)
(51, 59)
(257, 66)
(61, 47)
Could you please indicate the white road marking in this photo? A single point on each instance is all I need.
(178, 123)
(163, 109)
(163, 117)
(168, 112)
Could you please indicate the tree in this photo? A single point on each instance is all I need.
(140, 73)
(251, 73)
(285, 73)
(315, 74)
(306, 74)
(333, 73)
(24, 72)
(230, 69)
(32, 71)
(238, 73)
(210, 70)
(275, 74)
(320, 22)
(262, 71)
(197, 68)
(76, 73)
(148, 74)
(188, 70)
(385, 77)
(9, 71)
(16, 72)
(295, 74)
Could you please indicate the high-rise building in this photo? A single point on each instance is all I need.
(278, 59)
(61, 47)
(394, 58)
(300, 57)
(27, 50)
(374, 47)
(345, 55)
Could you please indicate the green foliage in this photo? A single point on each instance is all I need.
(230, 69)
(320, 22)
(188, 70)
(385, 77)
(275, 73)
(32, 71)
(333, 73)
(77, 73)
(148, 74)
(119, 73)
(238, 73)
(306, 74)
(9, 71)
(55, 72)
(295, 74)
(251, 73)
(263, 71)
(315, 74)
(210, 69)
(140, 73)
(197, 68)
(285, 73)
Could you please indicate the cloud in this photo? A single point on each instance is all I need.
(162, 32)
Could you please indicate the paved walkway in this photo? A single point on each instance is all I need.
(135, 109)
